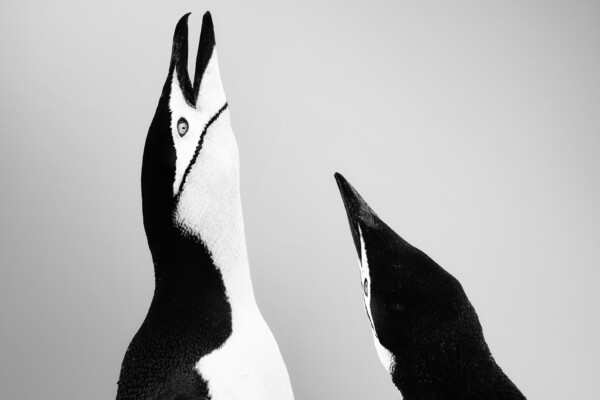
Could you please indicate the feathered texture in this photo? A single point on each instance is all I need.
(203, 337)
(422, 321)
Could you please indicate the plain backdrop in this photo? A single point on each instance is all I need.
(472, 128)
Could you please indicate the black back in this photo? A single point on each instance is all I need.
(421, 314)
(189, 315)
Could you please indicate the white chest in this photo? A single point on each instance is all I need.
(248, 365)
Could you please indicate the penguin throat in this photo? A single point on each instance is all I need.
(221, 231)
(385, 356)
(448, 368)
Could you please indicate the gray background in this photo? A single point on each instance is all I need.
(472, 128)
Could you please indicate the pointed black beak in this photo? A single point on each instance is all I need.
(358, 211)
(179, 58)
(179, 55)
(205, 51)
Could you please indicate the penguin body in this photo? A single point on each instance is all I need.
(426, 332)
(204, 336)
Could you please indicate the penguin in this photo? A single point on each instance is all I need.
(426, 332)
(203, 336)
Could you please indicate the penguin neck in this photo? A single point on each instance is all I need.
(451, 368)
(189, 269)
(492, 388)
(210, 252)
(230, 257)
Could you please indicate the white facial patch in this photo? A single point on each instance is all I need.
(385, 356)
(365, 279)
(211, 95)
(209, 205)
(211, 98)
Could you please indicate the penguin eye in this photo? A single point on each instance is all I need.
(182, 126)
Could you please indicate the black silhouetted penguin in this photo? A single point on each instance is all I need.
(204, 336)
(426, 331)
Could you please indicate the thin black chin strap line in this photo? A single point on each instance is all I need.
(199, 147)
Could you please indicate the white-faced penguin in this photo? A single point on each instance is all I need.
(204, 336)
(426, 331)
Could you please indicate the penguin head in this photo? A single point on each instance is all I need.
(190, 169)
(412, 303)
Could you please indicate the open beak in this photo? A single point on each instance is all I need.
(179, 55)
